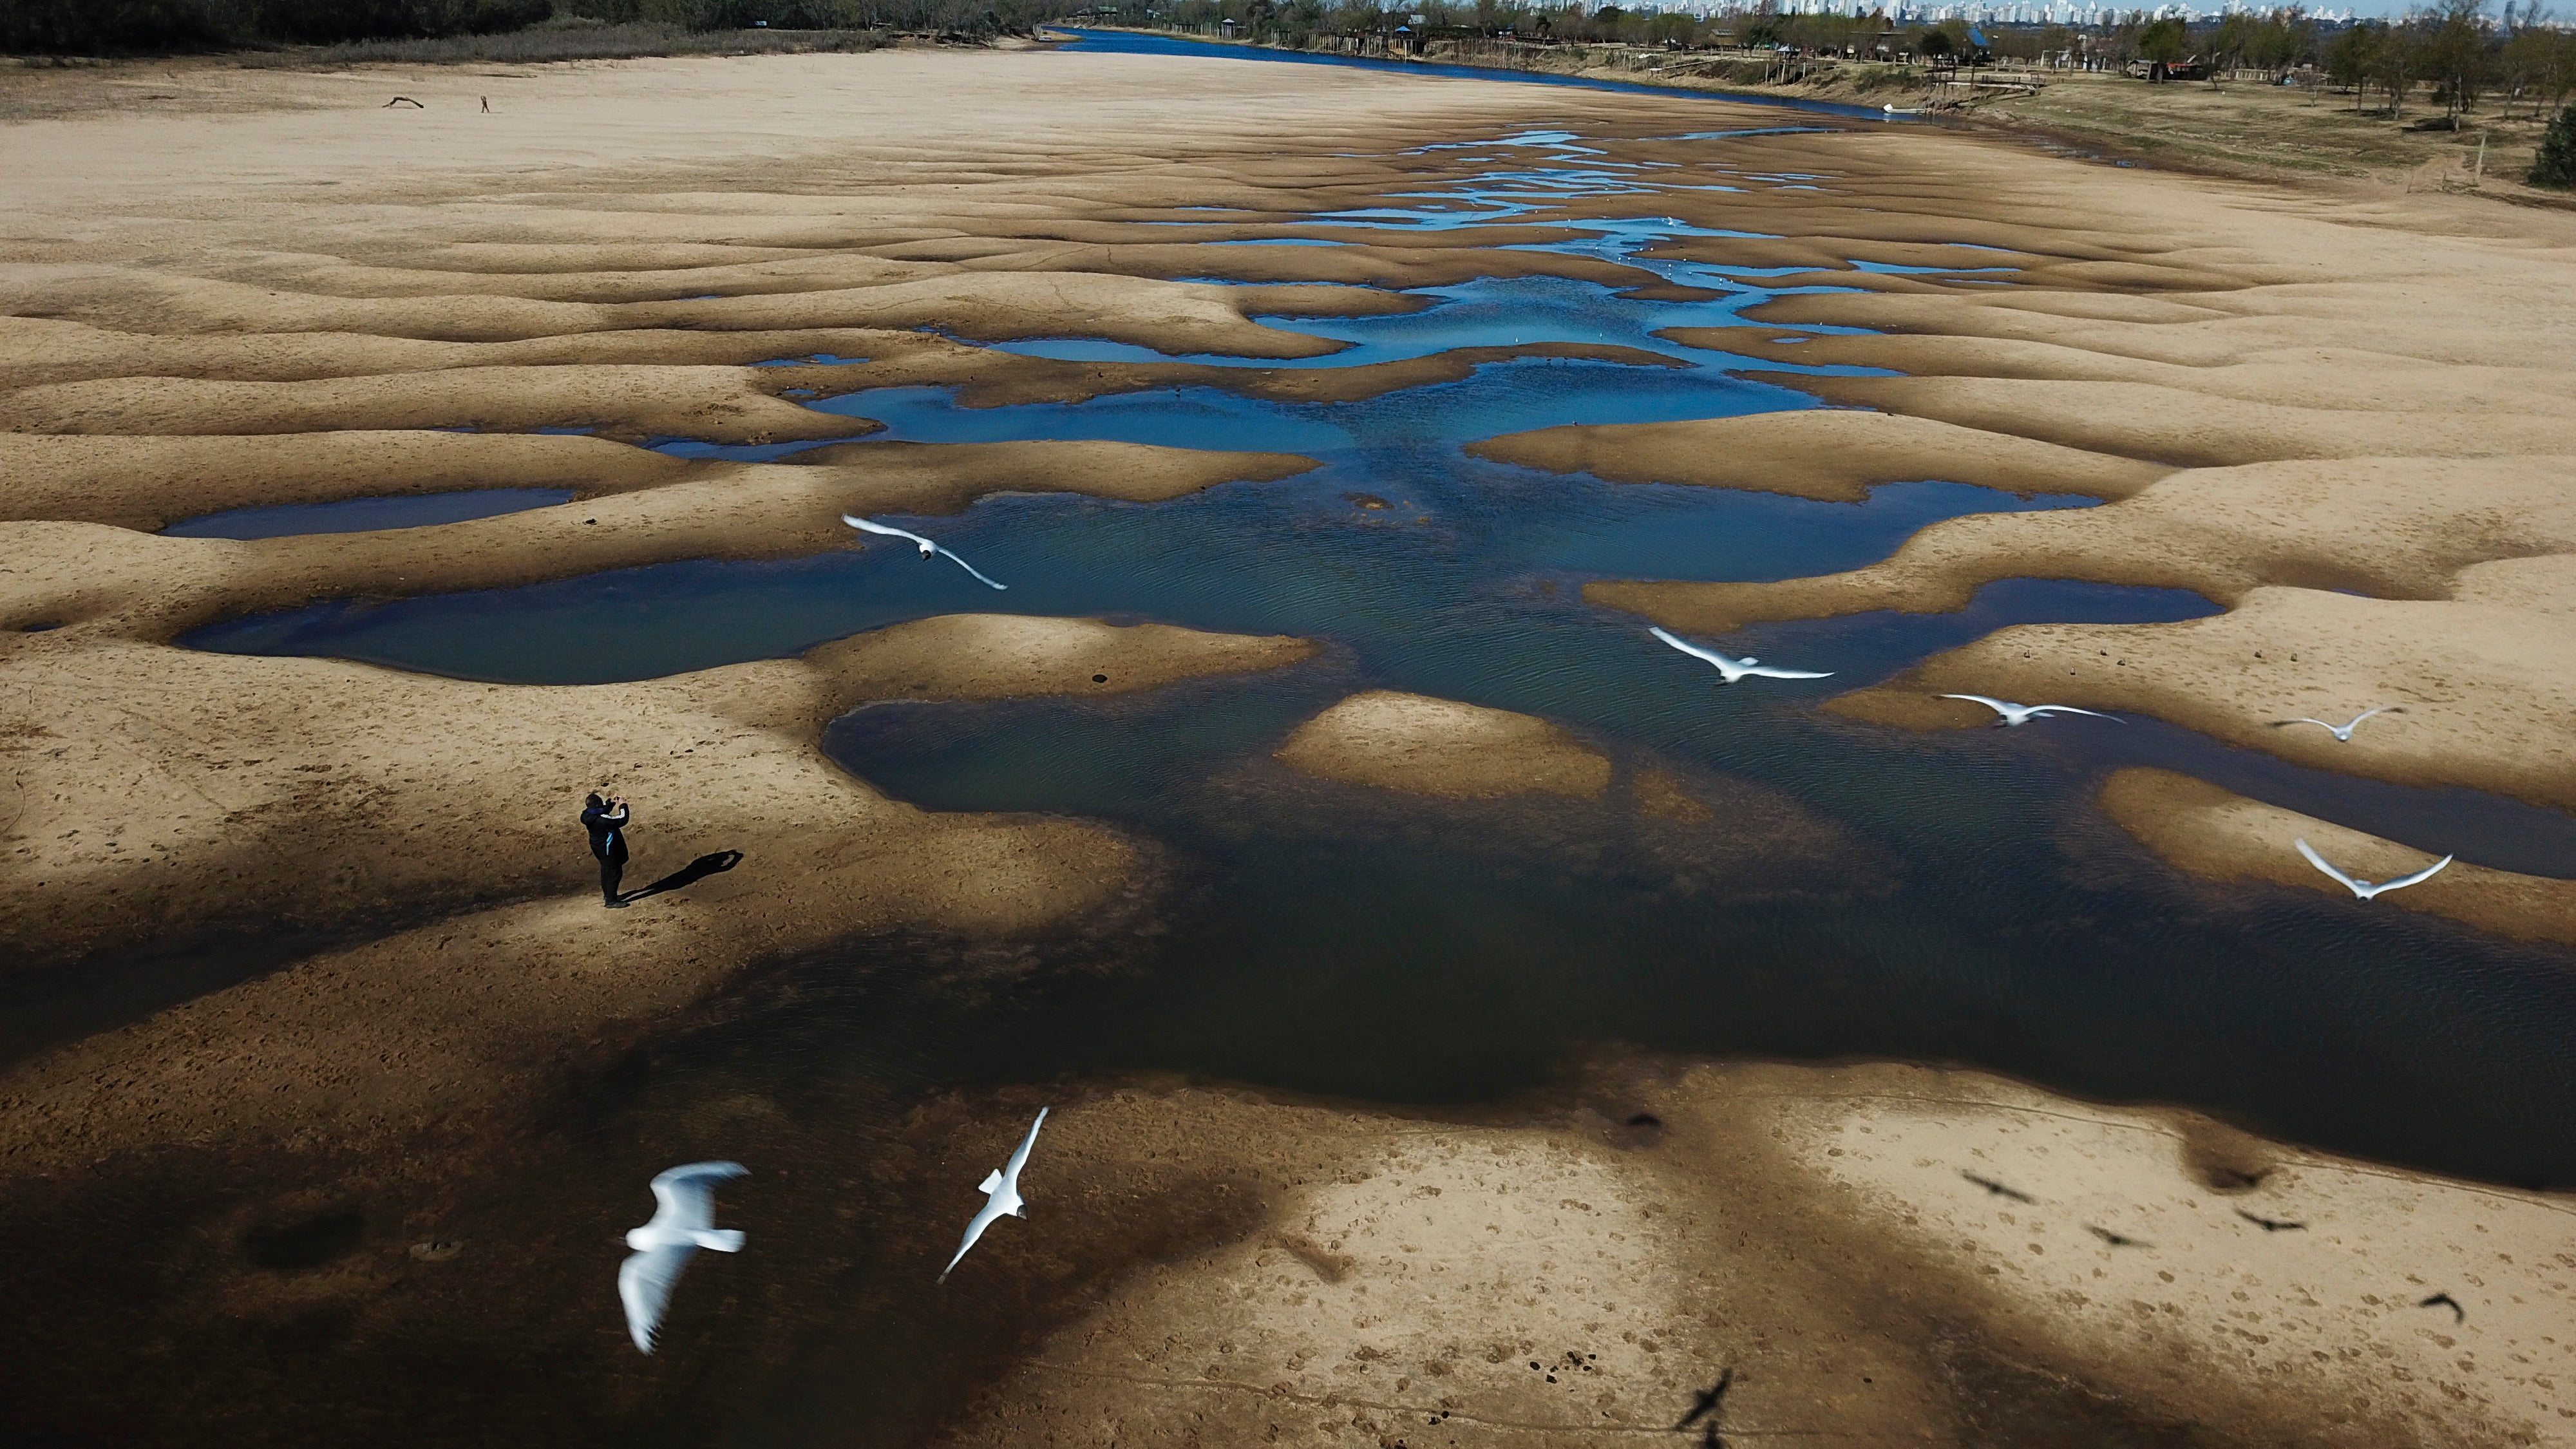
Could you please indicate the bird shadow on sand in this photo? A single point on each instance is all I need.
(689, 875)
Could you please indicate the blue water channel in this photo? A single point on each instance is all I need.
(1850, 891)
(361, 515)
(1120, 42)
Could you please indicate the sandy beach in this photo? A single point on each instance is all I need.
(2325, 411)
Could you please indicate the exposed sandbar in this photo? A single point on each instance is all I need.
(151, 482)
(1440, 747)
(2387, 527)
(1635, 1236)
(1819, 1231)
(2343, 378)
(986, 378)
(945, 477)
(1834, 455)
(2157, 424)
(115, 581)
(48, 350)
(721, 405)
(2217, 835)
(2487, 689)
(2317, 395)
(1366, 262)
(207, 791)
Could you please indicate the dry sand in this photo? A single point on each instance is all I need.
(1824, 1235)
(1833, 455)
(1422, 746)
(284, 291)
(2325, 411)
(2483, 678)
(2225, 837)
(294, 301)
(321, 794)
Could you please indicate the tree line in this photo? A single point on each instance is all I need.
(110, 27)
(2458, 57)
(2453, 51)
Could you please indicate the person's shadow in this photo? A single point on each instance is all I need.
(688, 875)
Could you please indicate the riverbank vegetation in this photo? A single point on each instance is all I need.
(435, 30)
(2454, 54)
(2446, 97)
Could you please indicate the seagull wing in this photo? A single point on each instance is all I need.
(2303, 719)
(2070, 709)
(975, 1227)
(963, 564)
(2319, 862)
(866, 526)
(687, 1194)
(2365, 714)
(1773, 671)
(1709, 656)
(1989, 701)
(1020, 1159)
(644, 1283)
(2418, 878)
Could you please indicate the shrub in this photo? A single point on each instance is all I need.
(324, 22)
(90, 27)
(2556, 163)
(111, 26)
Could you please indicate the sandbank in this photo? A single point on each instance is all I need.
(292, 294)
(207, 791)
(986, 378)
(92, 581)
(1879, 1254)
(261, 301)
(2218, 835)
(1827, 1237)
(2324, 412)
(150, 482)
(1440, 747)
(1833, 455)
(2484, 679)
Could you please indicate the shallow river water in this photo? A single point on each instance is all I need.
(1948, 897)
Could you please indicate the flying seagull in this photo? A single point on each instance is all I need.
(683, 1223)
(2362, 888)
(1001, 1191)
(927, 547)
(2342, 732)
(1735, 669)
(2022, 714)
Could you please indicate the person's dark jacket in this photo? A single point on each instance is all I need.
(607, 831)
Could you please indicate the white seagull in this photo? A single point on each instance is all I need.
(2342, 732)
(1735, 669)
(1001, 1191)
(2362, 888)
(927, 547)
(2022, 714)
(684, 1222)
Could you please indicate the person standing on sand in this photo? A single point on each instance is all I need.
(606, 822)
